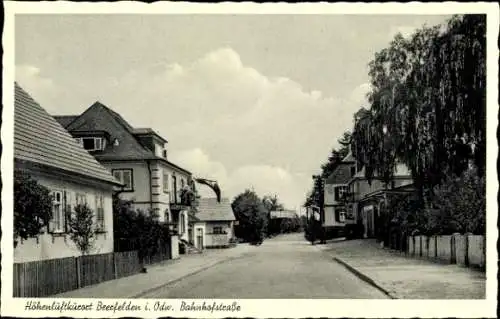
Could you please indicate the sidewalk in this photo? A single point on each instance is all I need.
(404, 277)
(159, 275)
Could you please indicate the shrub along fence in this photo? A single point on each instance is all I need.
(465, 250)
(53, 276)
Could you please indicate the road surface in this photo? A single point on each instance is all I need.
(283, 267)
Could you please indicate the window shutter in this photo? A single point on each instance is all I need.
(66, 211)
(337, 215)
(336, 193)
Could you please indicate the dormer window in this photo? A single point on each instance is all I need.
(164, 153)
(92, 143)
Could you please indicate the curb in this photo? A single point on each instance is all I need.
(149, 290)
(364, 277)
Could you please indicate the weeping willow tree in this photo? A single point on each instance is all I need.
(427, 104)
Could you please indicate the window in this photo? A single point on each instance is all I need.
(166, 182)
(81, 199)
(125, 176)
(353, 171)
(182, 184)
(164, 153)
(340, 192)
(218, 230)
(91, 143)
(57, 212)
(100, 212)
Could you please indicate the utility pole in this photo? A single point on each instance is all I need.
(321, 203)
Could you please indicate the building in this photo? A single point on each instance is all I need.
(367, 198)
(336, 215)
(138, 157)
(213, 224)
(49, 154)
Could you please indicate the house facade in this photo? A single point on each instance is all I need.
(45, 151)
(138, 157)
(367, 198)
(336, 215)
(213, 224)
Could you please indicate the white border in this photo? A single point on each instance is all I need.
(262, 308)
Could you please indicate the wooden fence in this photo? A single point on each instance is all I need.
(49, 277)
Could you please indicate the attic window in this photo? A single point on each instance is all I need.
(92, 143)
(164, 153)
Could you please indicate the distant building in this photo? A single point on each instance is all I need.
(213, 224)
(49, 154)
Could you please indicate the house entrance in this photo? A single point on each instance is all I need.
(199, 238)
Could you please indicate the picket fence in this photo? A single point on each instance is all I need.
(49, 277)
(464, 250)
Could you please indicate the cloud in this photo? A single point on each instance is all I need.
(40, 86)
(263, 179)
(224, 119)
(359, 94)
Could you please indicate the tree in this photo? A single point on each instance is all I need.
(427, 105)
(271, 203)
(32, 207)
(251, 215)
(82, 228)
(137, 230)
(333, 161)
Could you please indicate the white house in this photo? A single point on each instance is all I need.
(213, 224)
(49, 154)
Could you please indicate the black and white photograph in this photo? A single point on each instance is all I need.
(204, 161)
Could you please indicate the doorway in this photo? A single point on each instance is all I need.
(199, 238)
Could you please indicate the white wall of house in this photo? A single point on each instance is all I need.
(59, 245)
(174, 240)
(218, 233)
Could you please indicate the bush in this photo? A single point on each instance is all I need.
(81, 224)
(32, 207)
(458, 205)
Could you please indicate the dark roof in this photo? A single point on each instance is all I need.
(341, 175)
(210, 210)
(65, 120)
(99, 117)
(40, 139)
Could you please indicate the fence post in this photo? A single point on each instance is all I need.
(115, 269)
(466, 235)
(78, 272)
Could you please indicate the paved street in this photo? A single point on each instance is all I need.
(283, 267)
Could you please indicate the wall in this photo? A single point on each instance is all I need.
(212, 239)
(48, 246)
(463, 250)
(330, 216)
(174, 240)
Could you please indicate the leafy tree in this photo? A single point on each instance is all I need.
(251, 215)
(459, 205)
(427, 105)
(82, 228)
(137, 230)
(32, 207)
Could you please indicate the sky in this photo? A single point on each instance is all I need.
(252, 101)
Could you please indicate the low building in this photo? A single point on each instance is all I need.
(44, 150)
(213, 224)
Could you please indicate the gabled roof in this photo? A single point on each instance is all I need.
(349, 158)
(40, 139)
(99, 117)
(341, 175)
(210, 210)
(65, 120)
